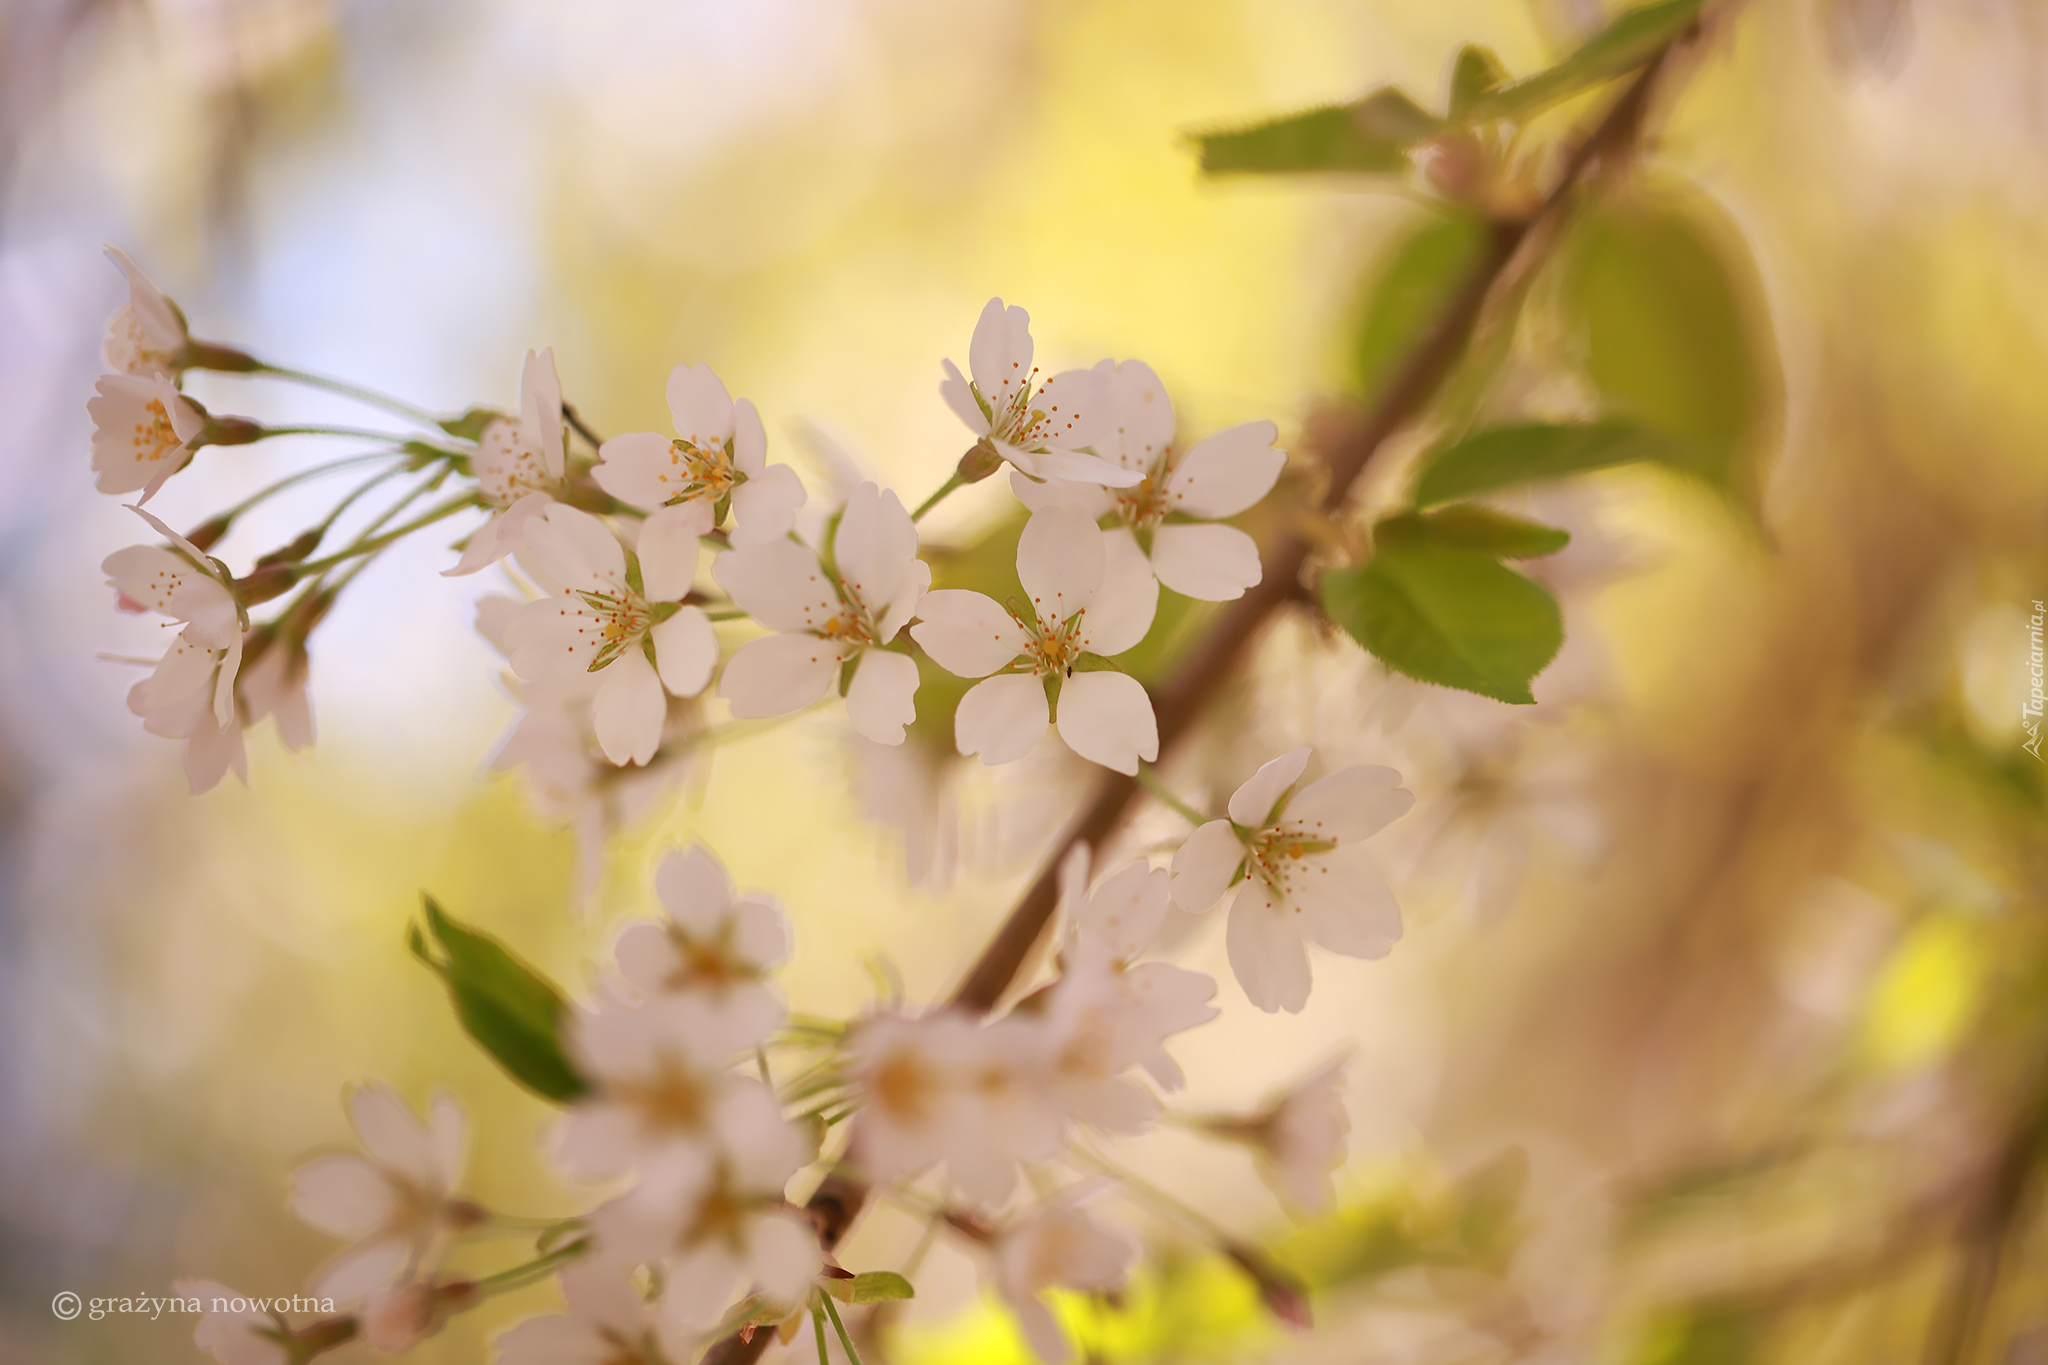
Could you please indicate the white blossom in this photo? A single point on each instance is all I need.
(712, 947)
(828, 615)
(661, 1087)
(1293, 864)
(720, 454)
(519, 464)
(394, 1201)
(244, 1336)
(1044, 430)
(272, 682)
(1057, 1246)
(608, 1322)
(1299, 1137)
(609, 615)
(142, 432)
(1168, 512)
(146, 335)
(1089, 596)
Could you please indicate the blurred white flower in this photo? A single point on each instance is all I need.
(617, 617)
(1057, 1246)
(1090, 595)
(230, 1335)
(394, 1201)
(1293, 864)
(661, 1085)
(519, 463)
(608, 1322)
(719, 458)
(1299, 1137)
(398, 1317)
(146, 335)
(272, 682)
(1044, 431)
(142, 432)
(1166, 513)
(826, 616)
(711, 947)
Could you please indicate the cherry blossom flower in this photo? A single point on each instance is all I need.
(719, 458)
(616, 617)
(1168, 512)
(272, 682)
(711, 947)
(234, 1336)
(608, 1323)
(1299, 1137)
(661, 1084)
(146, 335)
(829, 615)
(142, 432)
(519, 463)
(718, 1224)
(1044, 432)
(1057, 1246)
(396, 1202)
(1091, 597)
(1293, 864)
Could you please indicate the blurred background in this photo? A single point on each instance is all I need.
(1719, 1029)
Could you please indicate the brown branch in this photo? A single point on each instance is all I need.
(1349, 440)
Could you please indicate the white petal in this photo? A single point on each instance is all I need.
(953, 388)
(764, 507)
(778, 674)
(1223, 474)
(1143, 414)
(1122, 610)
(391, 1132)
(760, 932)
(629, 709)
(359, 1270)
(909, 597)
(1107, 718)
(779, 583)
(1266, 953)
(448, 1132)
(749, 440)
(1208, 563)
(875, 545)
(1206, 866)
(1038, 494)
(685, 652)
(1001, 719)
(699, 405)
(1079, 408)
(631, 468)
(694, 888)
(577, 550)
(1351, 803)
(151, 306)
(1060, 559)
(698, 1284)
(211, 753)
(342, 1196)
(1076, 467)
(1125, 912)
(782, 1257)
(966, 633)
(999, 357)
(1343, 905)
(1251, 805)
(882, 697)
(540, 407)
(668, 554)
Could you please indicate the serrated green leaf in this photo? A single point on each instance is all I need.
(1632, 39)
(1504, 456)
(510, 1010)
(1447, 615)
(1674, 331)
(1370, 136)
(1471, 527)
(1476, 74)
(1409, 292)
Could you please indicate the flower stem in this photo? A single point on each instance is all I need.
(1162, 1202)
(293, 480)
(320, 429)
(726, 614)
(952, 482)
(576, 424)
(539, 1268)
(1148, 778)
(425, 519)
(818, 1325)
(348, 390)
(844, 1340)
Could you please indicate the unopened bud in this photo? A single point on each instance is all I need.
(463, 1214)
(304, 544)
(1454, 164)
(980, 462)
(211, 355)
(207, 534)
(229, 431)
(1285, 1296)
(271, 580)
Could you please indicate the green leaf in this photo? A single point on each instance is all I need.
(513, 1012)
(1408, 294)
(1445, 614)
(1631, 40)
(1495, 533)
(1503, 456)
(1674, 331)
(870, 1286)
(470, 425)
(1372, 135)
(1476, 74)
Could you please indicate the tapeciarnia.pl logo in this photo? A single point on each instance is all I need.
(2030, 713)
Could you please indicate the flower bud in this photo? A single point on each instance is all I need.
(207, 533)
(229, 431)
(271, 580)
(211, 355)
(302, 545)
(979, 462)
(1285, 1296)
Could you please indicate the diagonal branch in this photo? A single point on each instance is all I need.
(1349, 443)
